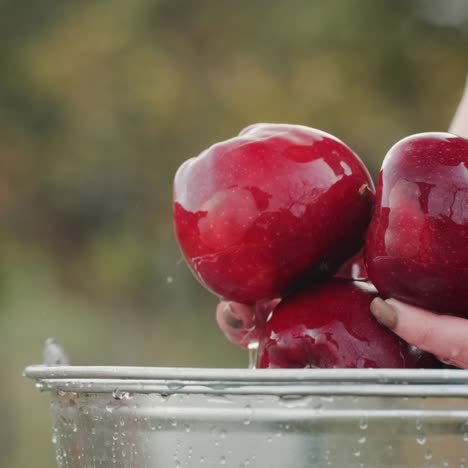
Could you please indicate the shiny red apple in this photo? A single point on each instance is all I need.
(417, 243)
(255, 213)
(330, 325)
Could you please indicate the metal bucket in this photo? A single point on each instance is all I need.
(166, 417)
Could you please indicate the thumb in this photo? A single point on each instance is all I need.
(442, 335)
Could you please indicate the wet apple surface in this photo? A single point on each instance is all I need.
(330, 325)
(276, 204)
(417, 242)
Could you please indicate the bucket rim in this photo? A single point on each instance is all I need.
(170, 380)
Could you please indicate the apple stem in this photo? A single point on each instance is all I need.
(364, 190)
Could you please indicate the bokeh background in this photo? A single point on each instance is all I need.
(101, 100)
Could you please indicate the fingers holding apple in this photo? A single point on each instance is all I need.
(243, 324)
(442, 335)
(276, 210)
(329, 325)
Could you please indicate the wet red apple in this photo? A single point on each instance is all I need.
(354, 268)
(330, 325)
(417, 243)
(255, 213)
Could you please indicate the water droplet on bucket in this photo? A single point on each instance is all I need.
(362, 440)
(465, 436)
(357, 453)
(117, 394)
(419, 424)
(222, 460)
(421, 439)
(363, 423)
(428, 455)
(247, 419)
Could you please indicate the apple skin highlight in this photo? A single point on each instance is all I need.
(276, 205)
(330, 325)
(417, 241)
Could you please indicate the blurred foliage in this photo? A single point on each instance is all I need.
(100, 101)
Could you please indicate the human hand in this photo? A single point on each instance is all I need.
(241, 323)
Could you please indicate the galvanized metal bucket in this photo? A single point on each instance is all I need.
(166, 417)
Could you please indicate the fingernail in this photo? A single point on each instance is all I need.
(384, 313)
(230, 318)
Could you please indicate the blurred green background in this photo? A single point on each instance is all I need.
(100, 101)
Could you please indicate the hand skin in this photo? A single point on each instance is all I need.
(241, 323)
(442, 335)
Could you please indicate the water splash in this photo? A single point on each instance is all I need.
(252, 348)
(54, 354)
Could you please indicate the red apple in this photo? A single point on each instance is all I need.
(354, 268)
(255, 213)
(330, 325)
(417, 243)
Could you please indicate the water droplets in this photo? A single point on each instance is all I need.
(363, 423)
(222, 460)
(389, 450)
(362, 439)
(428, 455)
(465, 437)
(252, 348)
(247, 419)
(118, 394)
(357, 453)
(421, 439)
